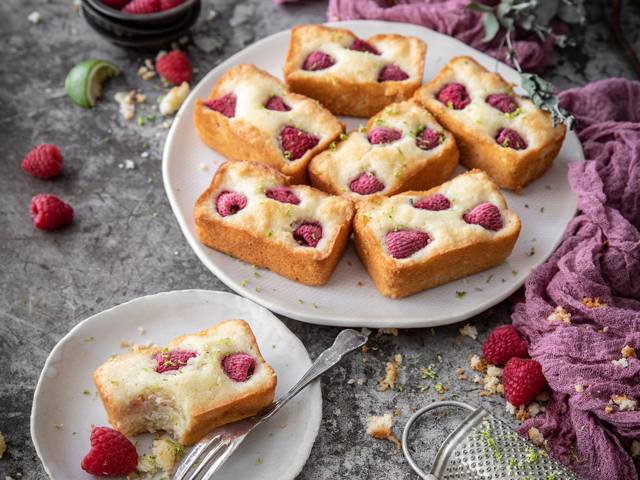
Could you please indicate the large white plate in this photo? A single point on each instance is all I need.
(350, 299)
(62, 414)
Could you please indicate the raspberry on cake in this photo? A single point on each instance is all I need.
(250, 115)
(252, 212)
(351, 76)
(194, 385)
(403, 148)
(497, 131)
(418, 240)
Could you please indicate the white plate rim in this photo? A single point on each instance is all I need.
(316, 412)
(317, 317)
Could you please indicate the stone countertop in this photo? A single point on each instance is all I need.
(125, 241)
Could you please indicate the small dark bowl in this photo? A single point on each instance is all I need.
(141, 36)
(166, 18)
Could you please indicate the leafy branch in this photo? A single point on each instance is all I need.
(532, 16)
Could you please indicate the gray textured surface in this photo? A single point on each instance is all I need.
(125, 242)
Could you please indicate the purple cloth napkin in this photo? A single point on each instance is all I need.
(599, 258)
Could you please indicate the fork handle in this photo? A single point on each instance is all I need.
(347, 341)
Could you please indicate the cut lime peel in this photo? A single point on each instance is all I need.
(84, 81)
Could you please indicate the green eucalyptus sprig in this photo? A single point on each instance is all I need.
(532, 16)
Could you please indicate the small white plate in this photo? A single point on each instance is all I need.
(62, 414)
(350, 299)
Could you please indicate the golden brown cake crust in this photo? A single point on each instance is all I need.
(307, 266)
(237, 408)
(238, 139)
(400, 279)
(420, 170)
(512, 169)
(350, 96)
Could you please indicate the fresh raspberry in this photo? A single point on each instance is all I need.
(486, 215)
(111, 454)
(169, 4)
(44, 161)
(454, 95)
(49, 212)
(503, 102)
(277, 104)
(502, 344)
(229, 203)
(117, 4)
(172, 360)
(226, 105)
(239, 366)
(380, 135)
(308, 234)
(362, 46)
(283, 194)
(142, 6)
(317, 61)
(522, 380)
(392, 73)
(404, 243)
(366, 183)
(296, 142)
(510, 139)
(428, 139)
(174, 66)
(434, 202)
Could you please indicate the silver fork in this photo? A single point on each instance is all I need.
(208, 455)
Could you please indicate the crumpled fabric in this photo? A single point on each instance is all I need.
(597, 262)
(451, 17)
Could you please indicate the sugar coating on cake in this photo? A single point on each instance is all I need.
(446, 228)
(275, 211)
(339, 53)
(491, 105)
(247, 94)
(152, 389)
(388, 151)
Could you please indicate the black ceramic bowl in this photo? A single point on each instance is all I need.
(166, 18)
(138, 34)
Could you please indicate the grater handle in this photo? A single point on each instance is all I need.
(405, 434)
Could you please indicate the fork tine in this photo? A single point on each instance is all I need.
(211, 455)
(194, 454)
(218, 462)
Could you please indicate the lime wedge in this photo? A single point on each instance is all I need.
(84, 81)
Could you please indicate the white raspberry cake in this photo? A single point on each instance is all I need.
(351, 76)
(402, 148)
(497, 131)
(417, 240)
(252, 212)
(194, 385)
(250, 115)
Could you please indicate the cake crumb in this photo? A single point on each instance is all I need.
(628, 351)
(34, 17)
(469, 331)
(167, 453)
(608, 408)
(141, 330)
(461, 374)
(579, 388)
(477, 364)
(593, 302)
(535, 436)
(624, 403)
(387, 331)
(522, 414)
(127, 103)
(380, 427)
(491, 382)
(559, 315)
(622, 363)
(635, 449)
(603, 330)
(3, 445)
(173, 100)
(125, 344)
(389, 381)
(203, 167)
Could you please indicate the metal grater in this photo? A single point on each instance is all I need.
(485, 447)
